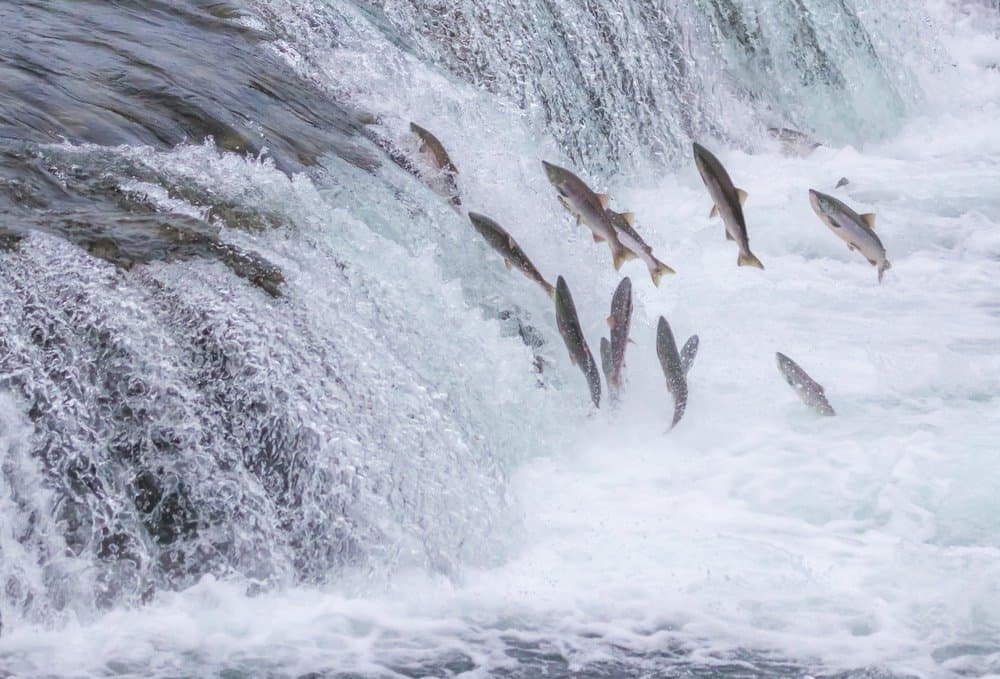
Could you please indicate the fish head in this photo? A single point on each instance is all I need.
(822, 204)
(623, 295)
(564, 301)
(574, 195)
(702, 158)
(483, 224)
(557, 175)
(708, 167)
(787, 367)
(666, 347)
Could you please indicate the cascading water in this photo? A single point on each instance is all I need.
(268, 405)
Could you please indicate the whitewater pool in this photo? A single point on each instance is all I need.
(498, 525)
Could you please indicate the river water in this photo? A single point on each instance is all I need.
(270, 407)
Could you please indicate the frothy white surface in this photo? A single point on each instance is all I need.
(872, 538)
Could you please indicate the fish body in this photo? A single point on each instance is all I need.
(607, 367)
(507, 247)
(401, 159)
(808, 389)
(433, 150)
(589, 208)
(793, 142)
(673, 368)
(728, 203)
(623, 223)
(613, 350)
(858, 231)
(579, 353)
(688, 352)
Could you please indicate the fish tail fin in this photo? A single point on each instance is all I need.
(679, 407)
(550, 289)
(882, 269)
(621, 255)
(656, 273)
(594, 384)
(748, 259)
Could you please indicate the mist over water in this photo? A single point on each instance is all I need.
(270, 406)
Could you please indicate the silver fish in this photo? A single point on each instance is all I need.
(858, 231)
(507, 247)
(589, 208)
(793, 142)
(619, 322)
(579, 353)
(808, 389)
(688, 352)
(673, 369)
(727, 202)
(624, 225)
(438, 158)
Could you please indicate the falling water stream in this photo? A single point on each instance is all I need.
(269, 406)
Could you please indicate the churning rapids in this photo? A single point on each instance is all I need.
(270, 406)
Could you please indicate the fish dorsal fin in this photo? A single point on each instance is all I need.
(611, 321)
(742, 195)
(629, 218)
(604, 200)
(869, 219)
(713, 212)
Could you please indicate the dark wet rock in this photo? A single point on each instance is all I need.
(92, 71)
(244, 264)
(8, 239)
(79, 199)
(513, 322)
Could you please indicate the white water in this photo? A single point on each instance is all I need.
(869, 539)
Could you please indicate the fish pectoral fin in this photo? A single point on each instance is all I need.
(611, 321)
(629, 218)
(598, 239)
(851, 247)
(872, 262)
(604, 200)
(506, 263)
(578, 220)
(869, 219)
(742, 195)
(729, 236)
(714, 212)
